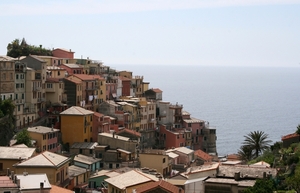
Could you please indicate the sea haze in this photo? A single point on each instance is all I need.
(236, 100)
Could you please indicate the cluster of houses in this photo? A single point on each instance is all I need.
(96, 129)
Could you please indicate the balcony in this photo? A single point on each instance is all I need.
(36, 88)
(19, 101)
(39, 100)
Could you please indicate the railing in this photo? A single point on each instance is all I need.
(40, 99)
(36, 88)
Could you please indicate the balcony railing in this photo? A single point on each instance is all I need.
(40, 100)
(36, 88)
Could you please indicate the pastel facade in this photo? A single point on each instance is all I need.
(46, 138)
(156, 159)
(55, 166)
(63, 53)
(76, 125)
(7, 77)
(20, 83)
(13, 155)
(129, 181)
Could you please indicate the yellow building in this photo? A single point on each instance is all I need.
(156, 159)
(129, 181)
(55, 166)
(134, 114)
(46, 138)
(76, 125)
(12, 155)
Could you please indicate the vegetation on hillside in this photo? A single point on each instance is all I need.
(23, 137)
(19, 48)
(7, 121)
(285, 160)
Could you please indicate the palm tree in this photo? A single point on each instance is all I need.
(257, 141)
(245, 153)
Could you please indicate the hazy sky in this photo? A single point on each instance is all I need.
(193, 32)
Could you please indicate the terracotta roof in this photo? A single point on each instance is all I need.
(76, 81)
(166, 186)
(88, 77)
(201, 154)
(290, 136)
(63, 49)
(156, 90)
(130, 131)
(98, 114)
(57, 189)
(233, 157)
(52, 80)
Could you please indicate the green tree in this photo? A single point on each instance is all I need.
(7, 121)
(294, 180)
(261, 186)
(257, 141)
(298, 129)
(19, 48)
(245, 153)
(23, 138)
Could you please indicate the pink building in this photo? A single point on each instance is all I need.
(72, 68)
(171, 138)
(101, 124)
(63, 53)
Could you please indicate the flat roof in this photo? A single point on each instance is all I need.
(86, 159)
(16, 152)
(42, 129)
(32, 181)
(116, 136)
(243, 183)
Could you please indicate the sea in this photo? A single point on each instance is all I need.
(235, 100)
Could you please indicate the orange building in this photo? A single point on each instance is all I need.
(76, 125)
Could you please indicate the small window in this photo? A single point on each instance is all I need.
(164, 160)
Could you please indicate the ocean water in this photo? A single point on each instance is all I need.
(236, 100)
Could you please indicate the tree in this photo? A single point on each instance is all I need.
(23, 138)
(7, 121)
(245, 153)
(294, 180)
(19, 48)
(298, 129)
(257, 141)
(261, 186)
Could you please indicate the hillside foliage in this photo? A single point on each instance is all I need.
(19, 48)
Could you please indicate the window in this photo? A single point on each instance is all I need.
(80, 151)
(17, 76)
(91, 129)
(177, 136)
(189, 124)
(164, 160)
(91, 151)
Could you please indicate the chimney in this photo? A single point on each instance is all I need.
(237, 176)
(41, 186)
(7, 172)
(12, 175)
(18, 182)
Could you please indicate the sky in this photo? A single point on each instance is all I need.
(160, 32)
